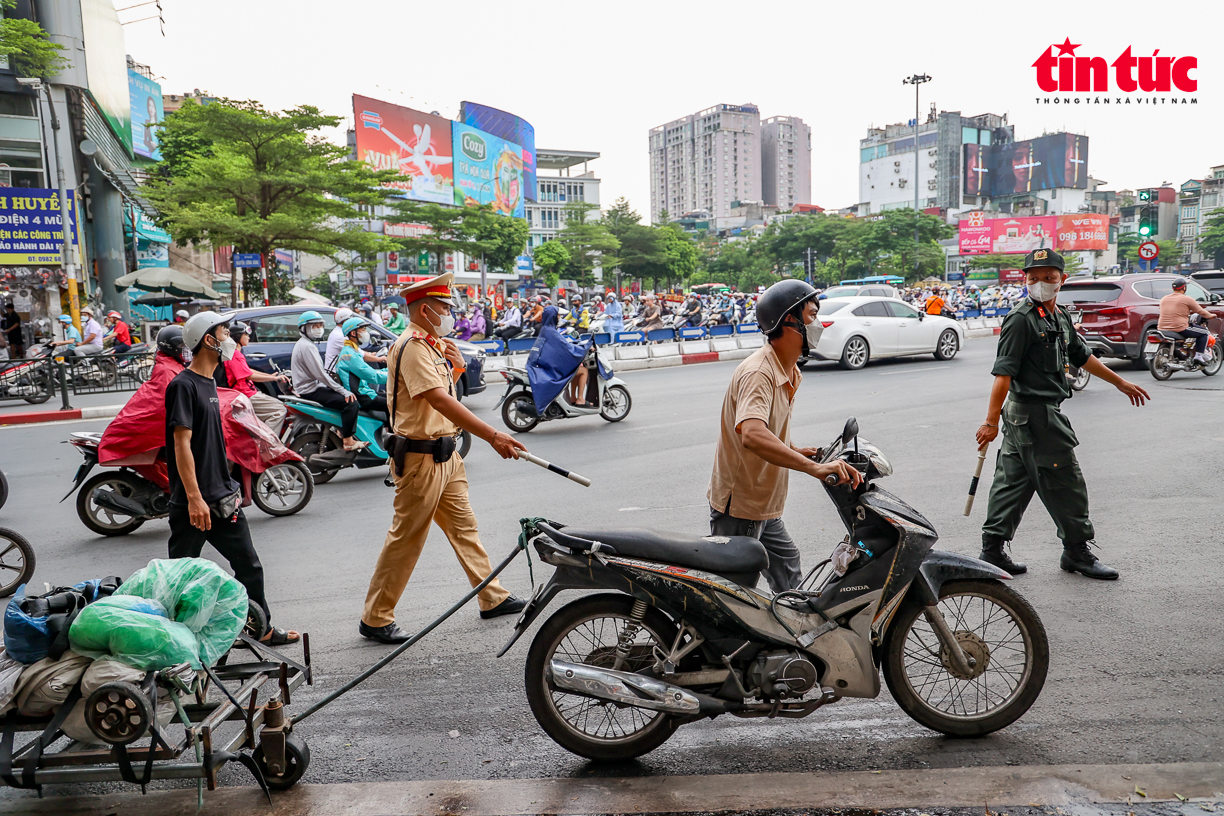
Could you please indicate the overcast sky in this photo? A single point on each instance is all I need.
(597, 76)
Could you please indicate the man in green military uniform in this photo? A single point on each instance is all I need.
(1036, 344)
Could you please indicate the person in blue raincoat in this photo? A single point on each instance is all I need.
(554, 362)
(616, 317)
(351, 364)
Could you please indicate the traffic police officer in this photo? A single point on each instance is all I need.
(1036, 344)
(430, 480)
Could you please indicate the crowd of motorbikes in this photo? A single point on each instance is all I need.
(34, 379)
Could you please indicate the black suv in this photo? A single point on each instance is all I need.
(274, 331)
(1210, 279)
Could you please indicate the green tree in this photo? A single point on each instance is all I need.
(1211, 239)
(787, 242)
(504, 239)
(448, 229)
(589, 243)
(24, 43)
(1170, 254)
(680, 252)
(235, 173)
(551, 257)
(891, 235)
(994, 261)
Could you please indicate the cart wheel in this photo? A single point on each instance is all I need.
(118, 713)
(256, 621)
(297, 760)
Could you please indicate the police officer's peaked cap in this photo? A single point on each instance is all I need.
(437, 287)
(1043, 257)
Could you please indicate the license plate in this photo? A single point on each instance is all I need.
(1150, 348)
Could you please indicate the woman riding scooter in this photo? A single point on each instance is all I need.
(351, 364)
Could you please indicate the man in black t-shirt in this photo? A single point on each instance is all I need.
(202, 492)
(10, 324)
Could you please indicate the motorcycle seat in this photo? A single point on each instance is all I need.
(737, 556)
(1171, 336)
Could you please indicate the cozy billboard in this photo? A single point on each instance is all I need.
(1015, 168)
(415, 144)
(513, 129)
(979, 235)
(488, 170)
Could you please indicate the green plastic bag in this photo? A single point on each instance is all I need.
(135, 631)
(198, 594)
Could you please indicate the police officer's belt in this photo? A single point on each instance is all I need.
(1032, 401)
(400, 446)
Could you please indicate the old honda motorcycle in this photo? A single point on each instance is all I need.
(681, 632)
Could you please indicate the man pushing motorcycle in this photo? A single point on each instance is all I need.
(754, 453)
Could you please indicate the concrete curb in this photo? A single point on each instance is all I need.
(1006, 786)
(30, 417)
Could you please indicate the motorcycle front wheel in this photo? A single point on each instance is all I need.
(998, 629)
(617, 403)
(1217, 359)
(1080, 379)
(283, 489)
(16, 561)
(589, 631)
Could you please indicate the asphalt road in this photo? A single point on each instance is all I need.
(1136, 665)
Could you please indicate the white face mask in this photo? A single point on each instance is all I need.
(314, 332)
(363, 338)
(228, 346)
(1043, 292)
(446, 323)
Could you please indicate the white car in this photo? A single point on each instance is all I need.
(858, 329)
(861, 290)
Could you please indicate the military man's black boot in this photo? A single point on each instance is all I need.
(992, 553)
(1079, 558)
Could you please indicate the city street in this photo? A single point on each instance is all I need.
(1137, 665)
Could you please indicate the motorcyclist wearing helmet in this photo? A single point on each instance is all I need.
(691, 315)
(170, 344)
(72, 335)
(754, 453)
(335, 340)
(311, 381)
(200, 479)
(353, 369)
(396, 322)
(119, 330)
(532, 318)
(242, 377)
(181, 316)
(615, 321)
(1175, 310)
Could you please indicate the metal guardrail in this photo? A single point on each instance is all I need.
(38, 380)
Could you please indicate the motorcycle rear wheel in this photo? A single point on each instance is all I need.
(16, 561)
(295, 483)
(306, 446)
(104, 521)
(519, 413)
(586, 631)
(992, 622)
(1080, 381)
(4, 489)
(1158, 364)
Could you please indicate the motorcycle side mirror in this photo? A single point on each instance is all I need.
(850, 431)
(921, 316)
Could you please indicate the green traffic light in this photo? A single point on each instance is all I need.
(1145, 230)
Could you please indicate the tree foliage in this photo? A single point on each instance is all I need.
(235, 173)
(26, 46)
(589, 243)
(504, 239)
(551, 257)
(1211, 239)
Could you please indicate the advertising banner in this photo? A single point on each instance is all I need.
(1011, 276)
(30, 226)
(147, 114)
(417, 145)
(106, 67)
(1013, 168)
(979, 235)
(488, 170)
(513, 129)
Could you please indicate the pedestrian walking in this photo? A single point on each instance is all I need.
(205, 501)
(754, 454)
(10, 324)
(430, 480)
(1036, 344)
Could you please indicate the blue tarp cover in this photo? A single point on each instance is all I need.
(552, 361)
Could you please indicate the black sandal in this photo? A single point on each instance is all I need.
(279, 637)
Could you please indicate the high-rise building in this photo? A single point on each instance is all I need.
(705, 161)
(786, 162)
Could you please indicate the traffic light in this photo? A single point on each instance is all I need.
(1145, 225)
(1145, 195)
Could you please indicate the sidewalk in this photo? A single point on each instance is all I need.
(85, 406)
(1006, 786)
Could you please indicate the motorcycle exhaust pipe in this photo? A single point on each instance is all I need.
(113, 501)
(627, 688)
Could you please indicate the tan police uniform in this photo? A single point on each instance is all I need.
(425, 490)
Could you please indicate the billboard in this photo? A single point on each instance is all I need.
(488, 170)
(979, 235)
(513, 129)
(106, 66)
(1014, 168)
(31, 230)
(417, 145)
(147, 113)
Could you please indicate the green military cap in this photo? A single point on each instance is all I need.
(1043, 257)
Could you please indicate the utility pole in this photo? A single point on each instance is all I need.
(810, 267)
(916, 80)
(69, 258)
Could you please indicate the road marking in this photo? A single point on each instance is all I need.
(911, 370)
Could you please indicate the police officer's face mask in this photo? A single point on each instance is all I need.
(1043, 291)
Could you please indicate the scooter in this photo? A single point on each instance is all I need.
(606, 395)
(1077, 377)
(31, 378)
(1168, 351)
(117, 502)
(314, 434)
(681, 633)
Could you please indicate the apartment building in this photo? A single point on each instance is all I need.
(786, 162)
(705, 161)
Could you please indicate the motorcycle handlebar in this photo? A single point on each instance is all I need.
(831, 479)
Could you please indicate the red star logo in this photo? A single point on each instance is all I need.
(1067, 47)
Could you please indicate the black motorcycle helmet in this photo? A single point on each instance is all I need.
(783, 298)
(237, 329)
(170, 342)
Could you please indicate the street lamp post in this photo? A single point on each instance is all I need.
(916, 80)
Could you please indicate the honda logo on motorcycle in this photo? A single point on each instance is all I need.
(1065, 71)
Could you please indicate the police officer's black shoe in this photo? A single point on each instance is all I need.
(1079, 558)
(391, 633)
(992, 553)
(510, 606)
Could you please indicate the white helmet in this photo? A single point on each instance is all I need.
(343, 314)
(199, 325)
(182, 313)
